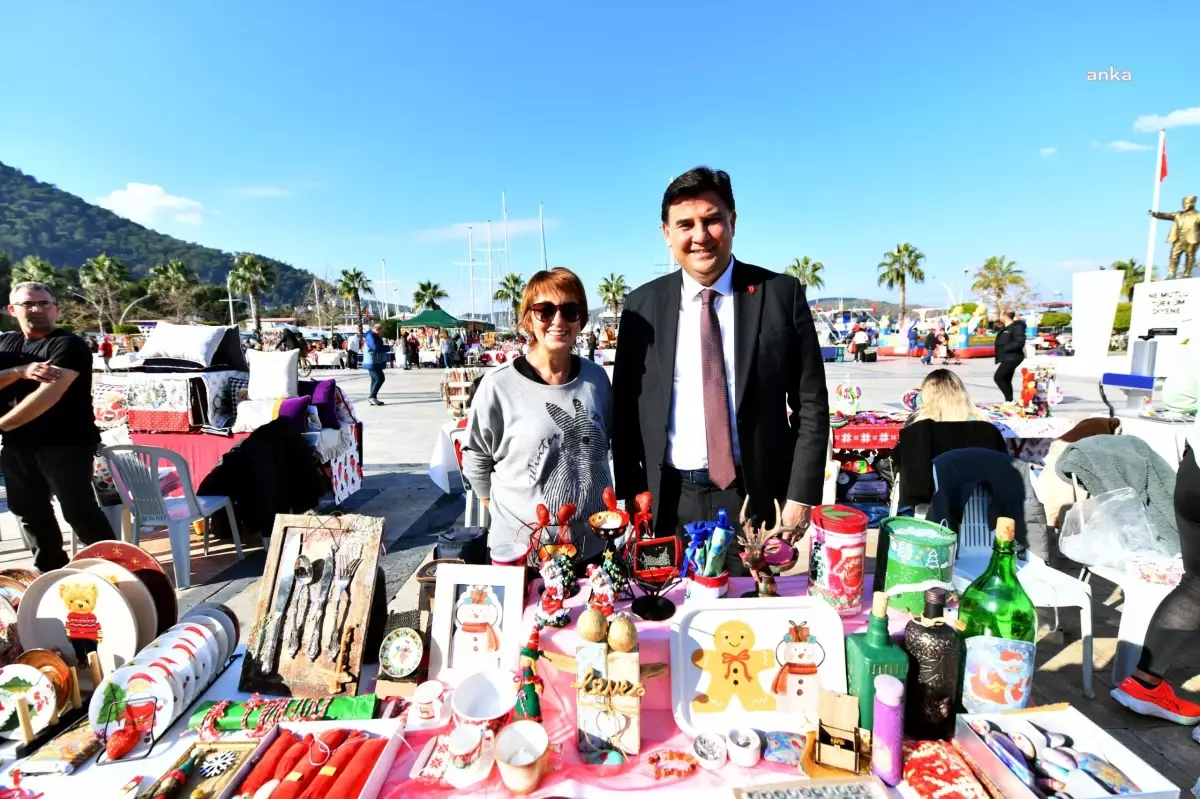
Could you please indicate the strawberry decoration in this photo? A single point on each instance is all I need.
(610, 498)
(543, 515)
(121, 742)
(565, 513)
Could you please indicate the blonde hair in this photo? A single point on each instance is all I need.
(944, 398)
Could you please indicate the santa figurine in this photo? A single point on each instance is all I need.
(602, 590)
(550, 610)
(529, 703)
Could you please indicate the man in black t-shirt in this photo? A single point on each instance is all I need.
(48, 428)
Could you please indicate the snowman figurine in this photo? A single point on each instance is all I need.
(602, 590)
(477, 633)
(797, 684)
(550, 610)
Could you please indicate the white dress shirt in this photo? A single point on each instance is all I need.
(687, 442)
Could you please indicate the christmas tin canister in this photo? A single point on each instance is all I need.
(837, 557)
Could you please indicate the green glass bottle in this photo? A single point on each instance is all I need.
(999, 630)
(870, 654)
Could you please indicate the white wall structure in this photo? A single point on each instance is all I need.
(1166, 304)
(1094, 297)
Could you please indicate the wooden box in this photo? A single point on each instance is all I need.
(837, 734)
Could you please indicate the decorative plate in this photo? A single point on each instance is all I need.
(11, 590)
(25, 683)
(160, 665)
(77, 612)
(225, 616)
(179, 654)
(132, 695)
(134, 591)
(21, 576)
(145, 568)
(55, 668)
(224, 648)
(400, 653)
(208, 651)
(10, 640)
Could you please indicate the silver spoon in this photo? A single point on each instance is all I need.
(305, 573)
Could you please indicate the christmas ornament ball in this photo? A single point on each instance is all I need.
(592, 625)
(622, 634)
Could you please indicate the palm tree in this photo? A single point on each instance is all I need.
(32, 269)
(427, 295)
(174, 284)
(104, 280)
(994, 279)
(900, 266)
(612, 292)
(807, 271)
(1134, 273)
(352, 284)
(252, 276)
(512, 289)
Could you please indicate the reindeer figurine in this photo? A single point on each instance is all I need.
(754, 541)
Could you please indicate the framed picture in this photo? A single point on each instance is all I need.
(476, 619)
(313, 605)
(757, 663)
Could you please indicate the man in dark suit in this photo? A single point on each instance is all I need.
(710, 360)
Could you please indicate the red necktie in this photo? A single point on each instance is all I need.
(721, 468)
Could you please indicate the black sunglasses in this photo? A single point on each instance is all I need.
(571, 311)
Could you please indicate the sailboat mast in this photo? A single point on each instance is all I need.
(471, 269)
(542, 228)
(490, 293)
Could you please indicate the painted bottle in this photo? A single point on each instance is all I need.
(887, 730)
(870, 654)
(934, 665)
(999, 631)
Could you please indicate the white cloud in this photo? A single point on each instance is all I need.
(1148, 123)
(261, 192)
(458, 231)
(1121, 146)
(1046, 152)
(149, 205)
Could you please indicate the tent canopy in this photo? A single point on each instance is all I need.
(433, 318)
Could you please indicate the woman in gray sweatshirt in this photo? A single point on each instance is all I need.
(538, 429)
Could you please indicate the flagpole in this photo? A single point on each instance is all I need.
(1158, 176)
(542, 228)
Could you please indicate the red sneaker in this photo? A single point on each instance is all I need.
(1160, 702)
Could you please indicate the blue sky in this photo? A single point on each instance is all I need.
(334, 135)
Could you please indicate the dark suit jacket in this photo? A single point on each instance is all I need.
(777, 365)
(1010, 342)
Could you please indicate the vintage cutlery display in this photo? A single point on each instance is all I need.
(313, 601)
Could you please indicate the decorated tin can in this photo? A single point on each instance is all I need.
(918, 551)
(837, 557)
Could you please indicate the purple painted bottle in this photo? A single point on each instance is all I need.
(887, 729)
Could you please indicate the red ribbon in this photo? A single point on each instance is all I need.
(742, 657)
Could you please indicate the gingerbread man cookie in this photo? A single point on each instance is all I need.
(733, 669)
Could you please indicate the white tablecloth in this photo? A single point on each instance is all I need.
(330, 358)
(444, 462)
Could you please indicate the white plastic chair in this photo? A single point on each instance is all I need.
(135, 473)
(1046, 586)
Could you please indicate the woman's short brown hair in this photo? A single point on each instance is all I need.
(560, 281)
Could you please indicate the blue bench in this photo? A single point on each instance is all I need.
(1137, 389)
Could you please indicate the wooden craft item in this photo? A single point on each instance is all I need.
(196, 783)
(838, 744)
(313, 672)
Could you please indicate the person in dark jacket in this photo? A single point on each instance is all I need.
(930, 347)
(1010, 351)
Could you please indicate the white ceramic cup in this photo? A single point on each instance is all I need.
(709, 749)
(427, 699)
(465, 746)
(745, 747)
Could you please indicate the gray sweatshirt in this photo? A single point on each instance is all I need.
(529, 443)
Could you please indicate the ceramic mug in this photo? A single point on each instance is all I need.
(465, 746)
(745, 747)
(522, 753)
(427, 700)
(709, 749)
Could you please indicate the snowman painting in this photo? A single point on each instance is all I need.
(797, 684)
(477, 634)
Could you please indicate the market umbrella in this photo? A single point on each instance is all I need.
(433, 318)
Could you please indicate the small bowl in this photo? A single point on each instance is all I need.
(745, 747)
(710, 750)
(484, 699)
(521, 749)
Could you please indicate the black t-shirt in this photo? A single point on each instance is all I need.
(526, 369)
(68, 421)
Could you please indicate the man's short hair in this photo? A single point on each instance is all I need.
(1008, 313)
(32, 285)
(695, 182)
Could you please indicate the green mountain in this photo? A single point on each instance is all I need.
(40, 219)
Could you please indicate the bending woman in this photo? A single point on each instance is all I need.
(538, 429)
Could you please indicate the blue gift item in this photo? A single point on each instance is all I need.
(693, 559)
(718, 545)
(784, 747)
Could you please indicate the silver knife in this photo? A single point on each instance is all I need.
(316, 612)
(287, 579)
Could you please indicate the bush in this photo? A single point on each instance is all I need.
(1121, 320)
(1055, 319)
(126, 330)
(391, 328)
(62, 326)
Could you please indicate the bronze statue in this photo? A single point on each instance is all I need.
(1184, 236)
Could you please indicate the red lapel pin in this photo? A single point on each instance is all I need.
(750, 289)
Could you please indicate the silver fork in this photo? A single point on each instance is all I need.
(348, 560)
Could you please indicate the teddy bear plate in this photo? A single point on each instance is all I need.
(756, 663)
(18, 683)
(133, 589)
(77, 613)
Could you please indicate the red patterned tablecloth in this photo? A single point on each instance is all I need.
(867, 436)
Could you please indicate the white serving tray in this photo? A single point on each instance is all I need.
(770, 619)
(1087, 737)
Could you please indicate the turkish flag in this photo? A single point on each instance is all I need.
(1162, 165)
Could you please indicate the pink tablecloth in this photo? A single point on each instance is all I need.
(573, 778)
(202, 451)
